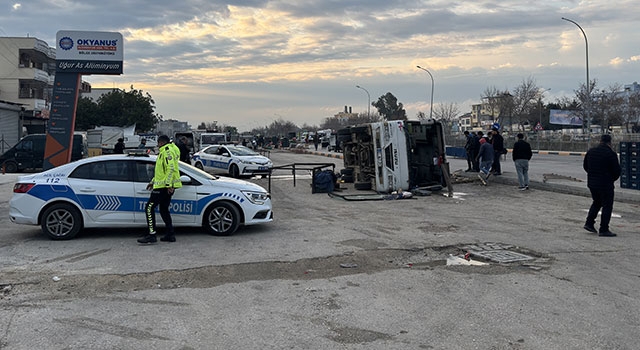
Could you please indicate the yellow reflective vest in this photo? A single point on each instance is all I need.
(166, 173)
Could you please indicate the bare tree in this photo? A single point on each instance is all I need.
(490, 101)
(281, 127)
(525, 102)
(584, 106)
(499, 104)
(209, 126)
(609, 106)
(446, 113)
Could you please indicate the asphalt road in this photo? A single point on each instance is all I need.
(335, 274)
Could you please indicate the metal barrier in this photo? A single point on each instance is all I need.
(313, 167)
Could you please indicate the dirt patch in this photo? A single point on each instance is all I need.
(32, 287)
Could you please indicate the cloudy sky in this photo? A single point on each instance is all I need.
(249, 62)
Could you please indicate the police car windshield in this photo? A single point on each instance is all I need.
(241, 151)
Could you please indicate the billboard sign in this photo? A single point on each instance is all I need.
(565, 117)
(89, 52)
(77, 53)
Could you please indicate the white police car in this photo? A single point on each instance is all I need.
(233, 160)
(110, 191)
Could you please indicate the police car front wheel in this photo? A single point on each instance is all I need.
(61, 221)
(221, 219)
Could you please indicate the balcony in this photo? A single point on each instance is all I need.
(35, 74)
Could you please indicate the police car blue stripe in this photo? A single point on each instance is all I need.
(124, 203)
(108, 203)
(111, 203)
(48, 192)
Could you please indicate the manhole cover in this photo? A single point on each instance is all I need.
(501, 256)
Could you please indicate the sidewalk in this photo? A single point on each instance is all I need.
(536, 181)
(536, 177)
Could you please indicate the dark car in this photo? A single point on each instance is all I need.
(28, 153)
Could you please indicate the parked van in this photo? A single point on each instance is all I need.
(28, 153)
(212, 138)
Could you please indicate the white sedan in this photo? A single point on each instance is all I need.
(110, 191)
(233, 160)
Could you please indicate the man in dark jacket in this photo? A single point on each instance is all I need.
(119, 147)
(498, 148)
(521, 156)
(603, 169)
(184, 150)
(472, 146)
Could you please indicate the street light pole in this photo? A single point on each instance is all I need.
(588, 86)
(368, 99)
(432, 83)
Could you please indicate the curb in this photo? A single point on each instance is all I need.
(620, 196)
(559, 153)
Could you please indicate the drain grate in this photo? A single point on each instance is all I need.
(501, 256)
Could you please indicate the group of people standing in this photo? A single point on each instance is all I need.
(600, 163)
(484, 153)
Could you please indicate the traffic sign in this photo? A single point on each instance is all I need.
(538, 127)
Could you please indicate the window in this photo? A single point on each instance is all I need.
(26, 145)
(388, 157)
(105, 171)
(212, 150)
(144, 171)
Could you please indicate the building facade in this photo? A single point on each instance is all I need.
(27, 71)
(11, 128)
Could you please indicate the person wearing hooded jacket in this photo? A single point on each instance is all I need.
(603, 169)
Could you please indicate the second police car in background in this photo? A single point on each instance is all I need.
(233, 160)
(110, 191)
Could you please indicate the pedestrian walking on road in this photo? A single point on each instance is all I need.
(316, 140)
(603, 169)
(485, 157)
(521, 157)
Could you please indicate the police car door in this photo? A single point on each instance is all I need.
(183, 201)
(215, 161)
(105, 191)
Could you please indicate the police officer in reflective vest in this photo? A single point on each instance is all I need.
(165, 180)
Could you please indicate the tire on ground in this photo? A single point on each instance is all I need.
(10, 166)
(221, 219)
(234, 171)
(346, 171)
(61, 221)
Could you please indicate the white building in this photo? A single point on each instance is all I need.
(27, 70)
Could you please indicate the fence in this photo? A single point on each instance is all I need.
(557, 143)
